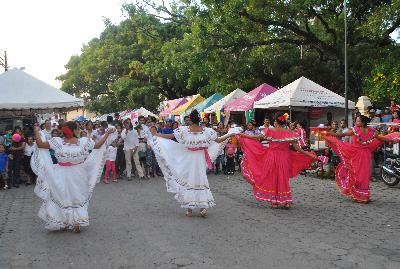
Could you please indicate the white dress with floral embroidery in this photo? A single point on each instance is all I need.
(67, 187)
(184, 169)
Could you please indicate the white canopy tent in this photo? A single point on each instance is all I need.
(20, 91)
(303, 94)
(144, 112)
(233, 96)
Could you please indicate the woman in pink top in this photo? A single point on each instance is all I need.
(395, 119)
(268, 169)
(230, 155)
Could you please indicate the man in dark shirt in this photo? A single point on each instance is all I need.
(116, 119)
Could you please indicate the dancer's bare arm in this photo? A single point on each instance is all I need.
(296, 147)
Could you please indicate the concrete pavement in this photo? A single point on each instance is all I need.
(137, 224)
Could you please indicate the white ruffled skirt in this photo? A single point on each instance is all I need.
(185, 171)
(66, 190)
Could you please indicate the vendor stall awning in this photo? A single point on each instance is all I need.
(246, 102)
(303, 93)
(233, 96)
(180, 110)
(172, 105)
(206, 103)
(21, 91)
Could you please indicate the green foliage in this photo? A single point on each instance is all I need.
(383, 84)
(213, 46)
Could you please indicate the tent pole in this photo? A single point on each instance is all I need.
(290, 112)
(346, 86)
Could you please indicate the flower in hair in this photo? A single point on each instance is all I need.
(67, 131)
(283, 117)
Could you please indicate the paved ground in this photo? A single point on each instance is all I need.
(138, 224)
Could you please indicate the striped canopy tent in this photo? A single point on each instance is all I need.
(206, 103)
(172, 105)
(128, 115)
(181, 109)
(218, 106)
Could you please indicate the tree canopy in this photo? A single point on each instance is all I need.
(213, 46)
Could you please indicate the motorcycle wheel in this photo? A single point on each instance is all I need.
(389, 179)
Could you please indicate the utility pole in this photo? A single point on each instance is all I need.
(346, 79)
(3, 61)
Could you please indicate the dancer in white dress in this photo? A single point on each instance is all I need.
(184, 163)
(67, 187)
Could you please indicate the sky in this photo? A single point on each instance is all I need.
(42, 35)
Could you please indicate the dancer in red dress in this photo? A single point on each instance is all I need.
(354, 172)
(268, 169)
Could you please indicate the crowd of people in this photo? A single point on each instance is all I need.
(86, 150)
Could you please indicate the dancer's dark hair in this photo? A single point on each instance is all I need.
(194, 117)
(278, 115)
(72, 126)
(364, 119)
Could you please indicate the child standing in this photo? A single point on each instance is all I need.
(110, 162)
(3, 165)
(230, 154)
(220, 159)
(54, 133)
(8, 138)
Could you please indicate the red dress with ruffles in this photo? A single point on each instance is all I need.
(268, 169)
(353, 173)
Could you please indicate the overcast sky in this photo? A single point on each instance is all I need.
(42, 35)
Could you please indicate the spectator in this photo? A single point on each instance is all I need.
(142, 150)
(221, 128)
(388, 115)
(302, 142)
(175, 125)
(394, 106)
(116, 119)
(110, 162)
(54, 133)
(230, 154)
(89, 129)
(187, 121)
(374, 120)
(267, 124)
(220, 159)
(206, 121)
(16, 151)
(47, 129)
(251, 129)
(292, 126)
(335, 160)
(4, 166)
(168, 128)
(131, 144)
(120, 162)
(8, 138)
(149, 122)
(395, 119)
(30, 147)
(159, 127)
(99, 133)
(344, 129)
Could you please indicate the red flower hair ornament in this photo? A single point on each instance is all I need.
(67, 131)
(283, 117)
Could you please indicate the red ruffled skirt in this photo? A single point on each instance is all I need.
(268, 169)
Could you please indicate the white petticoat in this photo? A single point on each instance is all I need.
(66, 190)
(185, 170)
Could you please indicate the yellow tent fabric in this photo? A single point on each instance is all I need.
(180, 110)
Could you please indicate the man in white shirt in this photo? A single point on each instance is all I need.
(267, 124)
(344, 129)
(131, 144)
(47, 130)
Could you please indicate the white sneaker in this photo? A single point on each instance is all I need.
(6, 187)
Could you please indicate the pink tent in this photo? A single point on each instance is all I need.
(246, 102)
(172, 105)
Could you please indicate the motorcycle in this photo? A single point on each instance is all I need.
(390, 167)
